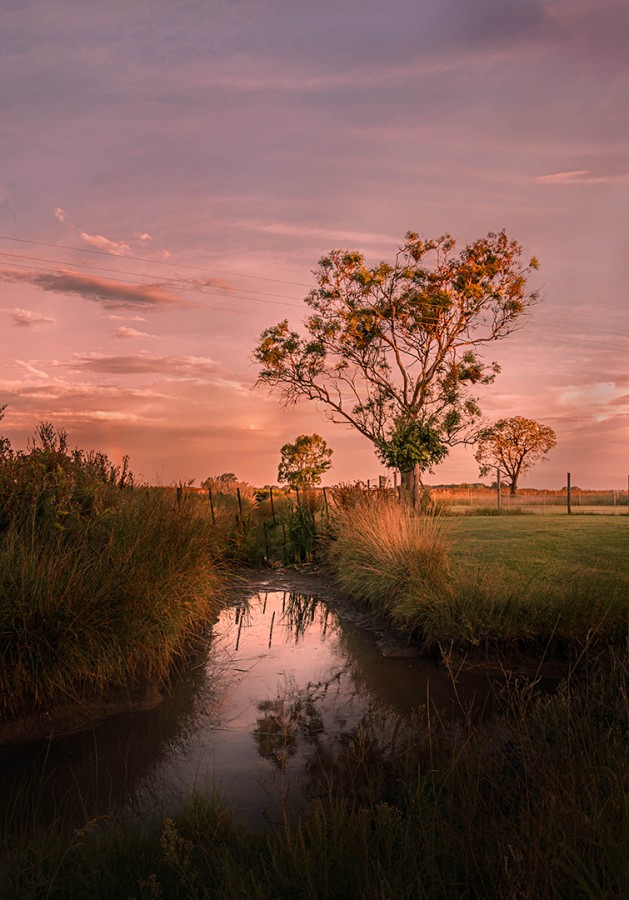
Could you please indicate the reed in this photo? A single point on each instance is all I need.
(108, 600)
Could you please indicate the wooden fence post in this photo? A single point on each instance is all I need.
(498, 491)
(209, 491)
(272, 504)
(568, 495)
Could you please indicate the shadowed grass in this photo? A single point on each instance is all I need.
(532, 805)
(109, 600)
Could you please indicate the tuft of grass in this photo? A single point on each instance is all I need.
(389, 557)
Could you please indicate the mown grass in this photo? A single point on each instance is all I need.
(532, 805)
(499, 584)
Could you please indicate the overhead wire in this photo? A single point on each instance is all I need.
(160, 262)
(183, 284)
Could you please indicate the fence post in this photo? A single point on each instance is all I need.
(272, 504)
(568, 495)
(266, 543)
(498, 489)
(209, 491)
(327, 508)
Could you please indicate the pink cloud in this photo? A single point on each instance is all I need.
(581, 176)
(112, 294)
(26, 318)
(60, 215)
(125, 332)
(117, 248)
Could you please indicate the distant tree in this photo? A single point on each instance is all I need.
(513, 446)
(223, 482)
(304, 462)
(393, 350)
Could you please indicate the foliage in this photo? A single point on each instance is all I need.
(51, 484)
(513, 446)
(103, 584)
(412, 443)
(397, 345)
(304, 462)
(221, 483)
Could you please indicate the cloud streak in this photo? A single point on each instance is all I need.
(198, 369)
(26, 318)
(124, 331)
(116, 248)
(106, 291)
(581, 176)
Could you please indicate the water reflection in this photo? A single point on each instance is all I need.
(286, 694)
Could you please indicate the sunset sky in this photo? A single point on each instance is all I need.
(171, 173)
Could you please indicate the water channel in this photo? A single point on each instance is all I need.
(286, 681)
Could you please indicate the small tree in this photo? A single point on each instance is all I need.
(225, 483)
(394, 350)
(513, 446)
(304, 462)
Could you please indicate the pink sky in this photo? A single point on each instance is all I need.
(171, 174)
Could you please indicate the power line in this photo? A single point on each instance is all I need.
(184, 285)
(197, 290)
(160, 262)
(181, 283)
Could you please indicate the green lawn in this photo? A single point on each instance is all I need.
(553, 547)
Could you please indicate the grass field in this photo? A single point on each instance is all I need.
(498, 584)
(555, 548)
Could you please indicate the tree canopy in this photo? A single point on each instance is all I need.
(304, 462)
(513, 446)
(393, 350)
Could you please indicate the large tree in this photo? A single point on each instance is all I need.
(304, 462)
(393, 350)
(512, 446)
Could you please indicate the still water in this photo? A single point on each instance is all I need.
(285, 683)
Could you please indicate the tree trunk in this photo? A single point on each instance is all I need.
(411, 485)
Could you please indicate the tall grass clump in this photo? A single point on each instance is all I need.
(388, 556)
(103, 584)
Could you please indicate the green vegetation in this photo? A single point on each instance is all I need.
(492, 584)
(106, 585)
(395, 350)
(533, 804)
(103, 585)
(304, 462)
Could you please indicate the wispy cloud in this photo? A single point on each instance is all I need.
(115, 318)
(327, 234)
(116, 248)
(60, 215)
(200, 370)
(26, 318)
(123, 331)
(112, 294)
(581, 176)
